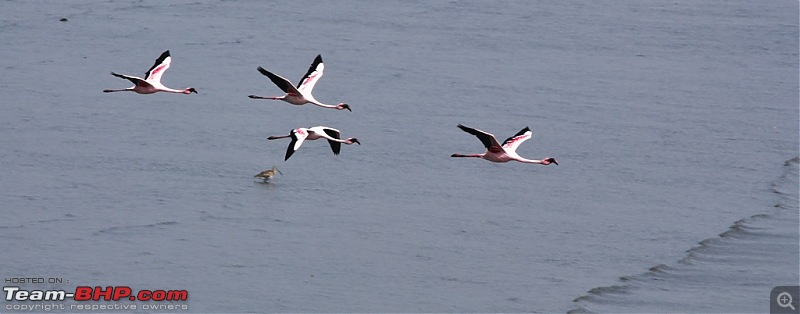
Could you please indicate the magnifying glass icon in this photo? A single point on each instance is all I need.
(785, 300)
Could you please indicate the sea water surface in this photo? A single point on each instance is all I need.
(675, 125)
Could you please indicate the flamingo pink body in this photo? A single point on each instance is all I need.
(505, 152)
(301, 94)
(301, 135)
(151, 83)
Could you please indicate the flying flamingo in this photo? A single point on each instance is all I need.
(506, 152)
(309, 134)
(152, 81)
(301, 94)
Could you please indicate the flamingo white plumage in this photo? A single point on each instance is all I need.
(505, 152)
(300, 135)
(301, 94)
(151, 83)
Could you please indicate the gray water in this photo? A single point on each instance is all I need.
(675, 125)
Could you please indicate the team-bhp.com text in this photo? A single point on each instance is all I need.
(85, 293)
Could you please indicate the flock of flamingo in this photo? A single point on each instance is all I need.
(301, 95)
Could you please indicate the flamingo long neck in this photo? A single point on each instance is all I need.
(349, 141)
(330, 138)
(316, 102)
(170, 90)
(529, 161)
